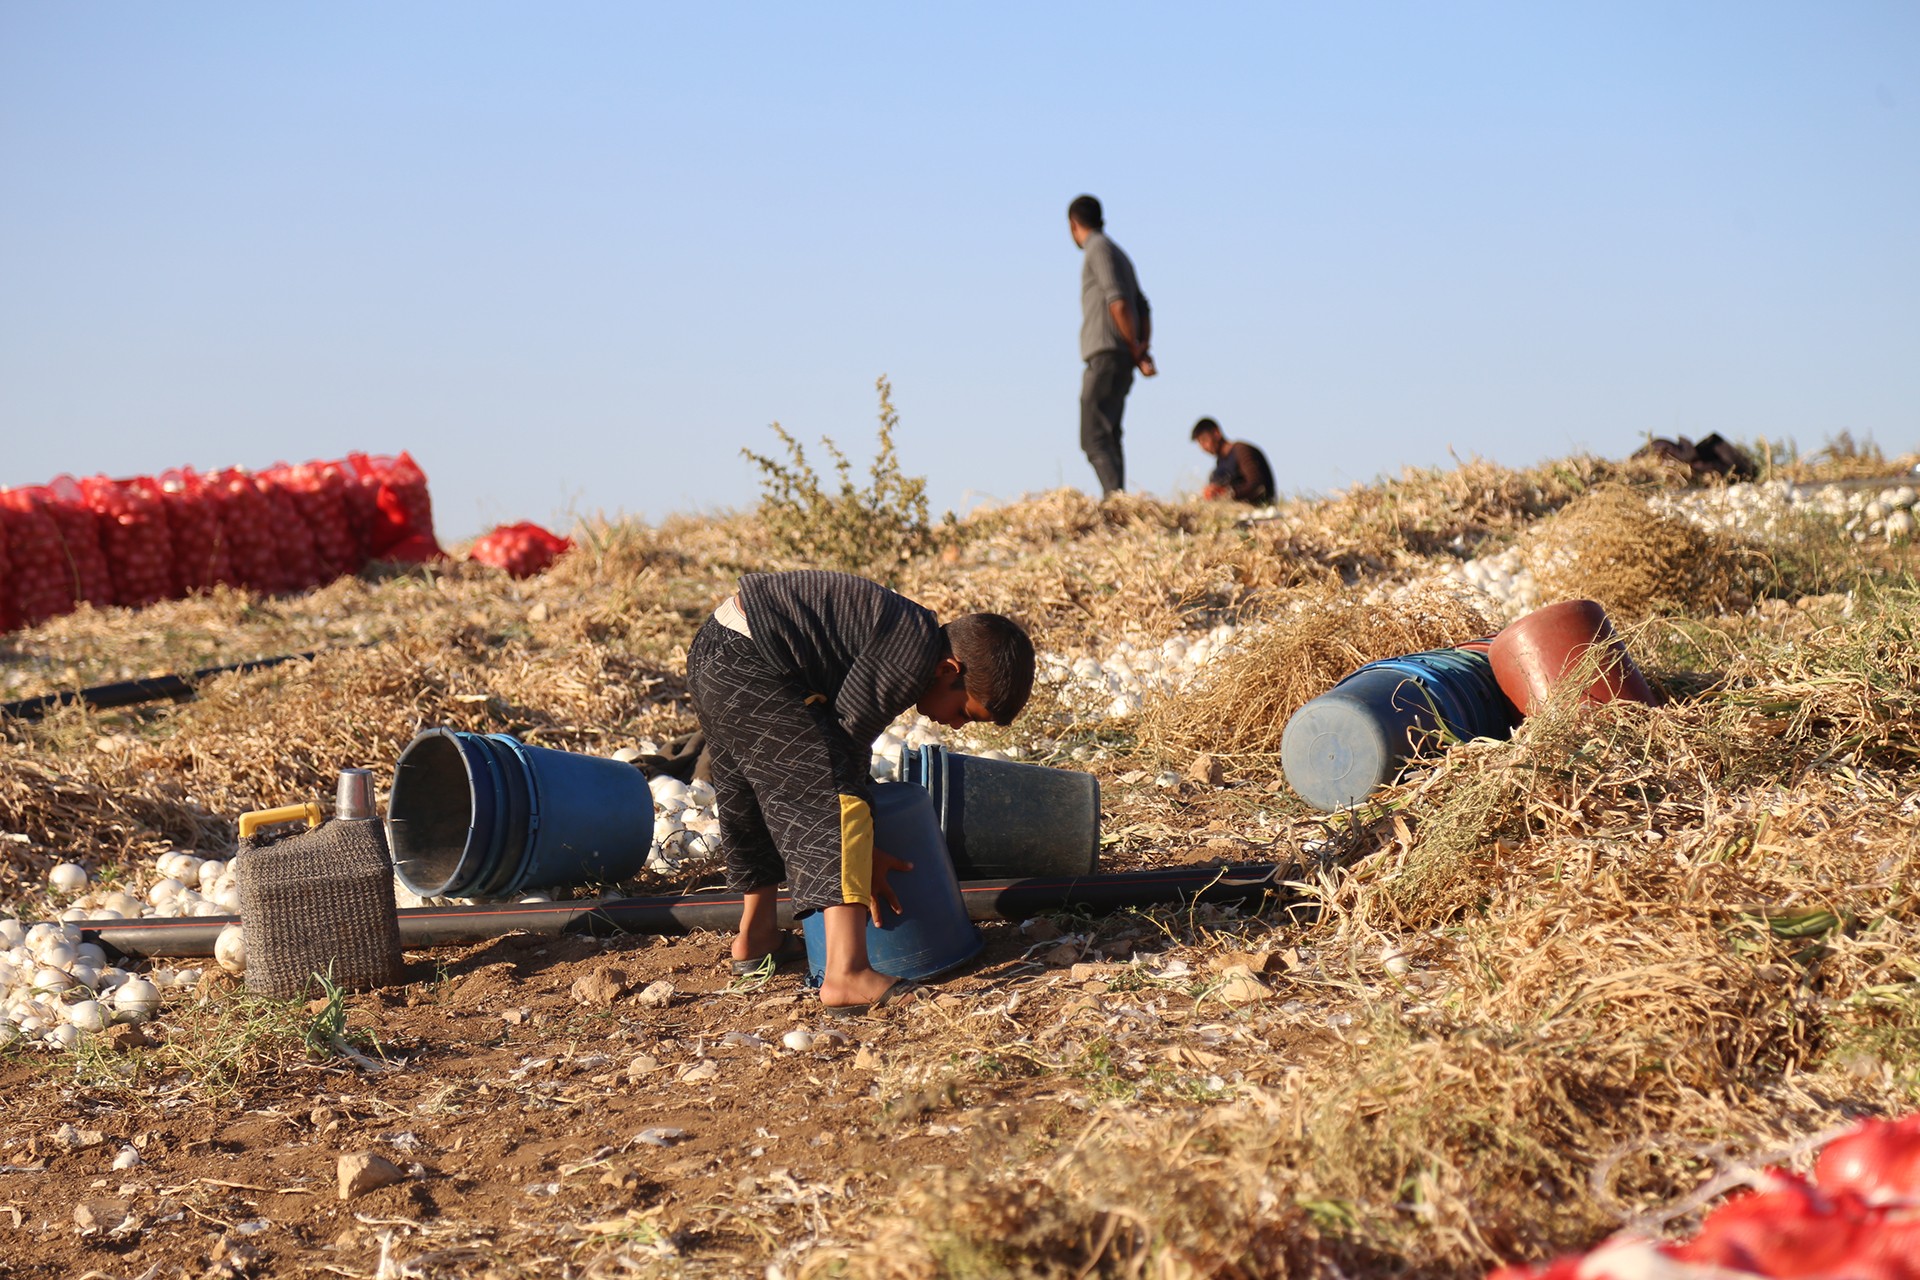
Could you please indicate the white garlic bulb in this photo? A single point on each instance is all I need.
(230, 949)
(68, 878)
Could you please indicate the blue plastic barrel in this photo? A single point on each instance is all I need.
(1004, 820)
(932, 934)
(487, 816)
(1360, 734)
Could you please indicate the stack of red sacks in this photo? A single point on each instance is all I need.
(133, 542)
(1857, 1218)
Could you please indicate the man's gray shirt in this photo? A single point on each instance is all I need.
(1106, 274)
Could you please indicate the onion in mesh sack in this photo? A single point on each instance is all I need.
(522, 549)
(134, 538)
(201, 558)
(319, 490)
(39, 585)
(79, 531)
(299, 558)
(247, 521)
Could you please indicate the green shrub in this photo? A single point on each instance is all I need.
(872, 530)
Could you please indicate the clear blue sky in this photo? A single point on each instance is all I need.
(574, 256)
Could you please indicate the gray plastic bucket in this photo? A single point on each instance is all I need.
(1360, 734)
(487, 816)
(932, 933)
(1005, 820)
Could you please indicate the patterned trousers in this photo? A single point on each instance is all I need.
(792, 786)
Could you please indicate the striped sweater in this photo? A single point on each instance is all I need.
(869, 650)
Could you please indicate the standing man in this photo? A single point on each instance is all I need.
(1114, 330)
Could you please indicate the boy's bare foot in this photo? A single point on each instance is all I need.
(762, 942)
(760, 930)
(859, 988)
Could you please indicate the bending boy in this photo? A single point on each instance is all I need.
(793, 678)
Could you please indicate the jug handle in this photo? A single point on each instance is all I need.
(251, 822)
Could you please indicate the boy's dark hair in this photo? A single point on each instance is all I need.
(1205, 425)
(996, 658)
(1085, 210)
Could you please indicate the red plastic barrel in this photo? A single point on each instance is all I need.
(1533, 656)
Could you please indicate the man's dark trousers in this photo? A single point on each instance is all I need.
(1103, 397)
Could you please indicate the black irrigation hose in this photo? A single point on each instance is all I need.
(128, 693)
(985, 900)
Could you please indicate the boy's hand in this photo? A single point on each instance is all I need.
(884, 862)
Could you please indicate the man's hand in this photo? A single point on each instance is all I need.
(1144, 363)
(884, 862)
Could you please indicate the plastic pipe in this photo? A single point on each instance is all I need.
(128, 693)
(985, 900)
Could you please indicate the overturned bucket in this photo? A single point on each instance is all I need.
(1359, 734)
(1535, 655)
(475, 815)
(1004, 820)
(932, 933)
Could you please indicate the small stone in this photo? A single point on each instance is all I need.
(1040, 930)
(798, 1040)
(1064, 954)
(866, 1059)
(1206, 771)
(516, 1017)
(124, 1035)
(77, 1139)
(539, 612)
(642, 1067)
(102, 1217)
(363, 1171)
(700, 1072)
(600, 988)
(1090, 972)
(655, 995)
(127, 1159)
(1251, 961)
(1241, 986)
(233, 1258)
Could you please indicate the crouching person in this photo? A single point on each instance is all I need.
(793, 677)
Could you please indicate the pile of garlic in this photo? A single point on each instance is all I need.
(1117, 685)
(1885, 512)
(56, 989)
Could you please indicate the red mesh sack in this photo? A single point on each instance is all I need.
(292, 536)
(38, 585)
(389, 501)
(319, 490)
(79, 530)
(247, 521)
(200, 554)
(7, 619)
(135, 538)
(522, 549)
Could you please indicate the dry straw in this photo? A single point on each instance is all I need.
(1239, 707)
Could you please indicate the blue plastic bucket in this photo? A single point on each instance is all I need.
(487, 816)
(1004, 820)
(932, 934)
(445, 813)
(1360, 734)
